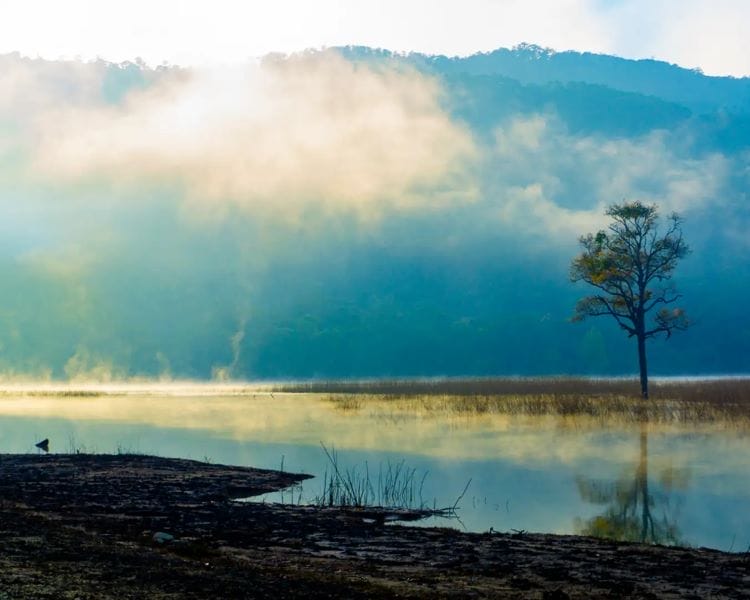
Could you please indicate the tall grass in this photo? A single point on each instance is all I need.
(671, 401)
(397, 494)
(52, 393)
(728, 389)
(397, 486)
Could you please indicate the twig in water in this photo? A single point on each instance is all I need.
(455, 504)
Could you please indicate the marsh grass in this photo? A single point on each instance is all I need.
(52, 393)
(397, 492)
(708, 389)
(704, 401)
(397, 486)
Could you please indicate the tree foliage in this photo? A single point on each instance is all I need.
(631, 264)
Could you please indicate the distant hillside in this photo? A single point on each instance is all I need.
(590, 93)
(532, 64)
(393, 215)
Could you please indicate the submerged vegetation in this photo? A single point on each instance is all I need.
(397, 485)
(53, 392)
(673, 401)
(720, 389)
(398, 488)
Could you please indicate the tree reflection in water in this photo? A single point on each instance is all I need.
(635, 511)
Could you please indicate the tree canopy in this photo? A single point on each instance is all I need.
(631, 265)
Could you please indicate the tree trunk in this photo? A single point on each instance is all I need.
(642, 364)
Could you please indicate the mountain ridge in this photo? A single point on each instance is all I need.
(529, 63)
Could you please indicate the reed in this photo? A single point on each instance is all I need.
(397, 485)
(703, 401)
(710, 390)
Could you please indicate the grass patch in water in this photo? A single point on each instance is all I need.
(396, 485)
(397, 488)
(703, 401)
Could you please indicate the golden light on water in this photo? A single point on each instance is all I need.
(246, 413)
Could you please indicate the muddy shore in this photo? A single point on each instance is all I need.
(133, 526)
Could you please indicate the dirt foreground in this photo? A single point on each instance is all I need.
(131, 526)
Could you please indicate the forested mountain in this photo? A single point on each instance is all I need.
(353, 212)
(530, 64)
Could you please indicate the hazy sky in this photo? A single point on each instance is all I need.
(693, 33)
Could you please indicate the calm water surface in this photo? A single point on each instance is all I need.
(674, 484)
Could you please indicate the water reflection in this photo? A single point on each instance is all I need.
(635, 511)
(670, 483)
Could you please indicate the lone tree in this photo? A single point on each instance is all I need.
(631, 264)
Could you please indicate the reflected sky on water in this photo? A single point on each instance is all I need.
(671, 484)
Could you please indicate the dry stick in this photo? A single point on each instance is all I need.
(421, 487)
(455, 504)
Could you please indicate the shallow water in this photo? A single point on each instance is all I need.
(674, 484)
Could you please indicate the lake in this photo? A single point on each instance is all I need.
(672, 483)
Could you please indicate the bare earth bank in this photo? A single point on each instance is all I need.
(91, 526)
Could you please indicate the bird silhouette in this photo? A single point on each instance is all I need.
(43, 445)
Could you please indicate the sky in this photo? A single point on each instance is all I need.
(692, 33)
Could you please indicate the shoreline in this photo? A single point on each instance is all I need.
(137, 385)
(86, 526)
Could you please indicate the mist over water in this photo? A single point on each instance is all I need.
(544, 473)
